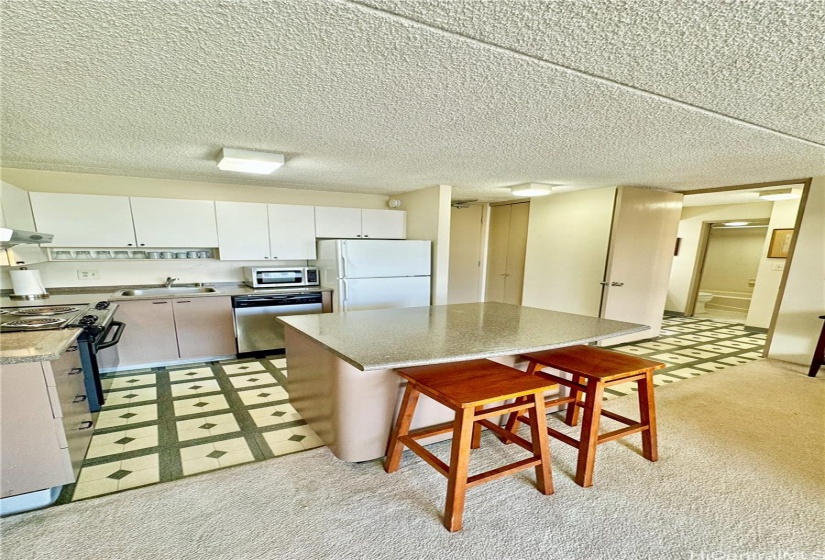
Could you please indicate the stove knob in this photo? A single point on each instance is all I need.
(102, 305)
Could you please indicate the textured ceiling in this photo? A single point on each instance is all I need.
(387, 96)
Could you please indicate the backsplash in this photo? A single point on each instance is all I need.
(127, 273)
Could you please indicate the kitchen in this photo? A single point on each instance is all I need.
(338, 167)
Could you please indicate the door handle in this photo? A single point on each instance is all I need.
(80, 399)
(617, 283)
(86, 424)
(604, 283)
(75, 371)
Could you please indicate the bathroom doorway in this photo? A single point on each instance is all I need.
(729, 257)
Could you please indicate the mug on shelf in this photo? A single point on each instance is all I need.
(103, 254)
(204, 254)
(191, 254)
(167, 255)
(83, 255)
(139, 255)
(121, 254)
(181, 255)
(62, 255)
(153, 254)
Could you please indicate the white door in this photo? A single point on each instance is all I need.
(640, 258)
(291, 231)
(243, 231)
(170, 222)
(84, 220)
(378, 258)
(466, 229)
(384, 293)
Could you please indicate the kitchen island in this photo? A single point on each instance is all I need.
(341, 378)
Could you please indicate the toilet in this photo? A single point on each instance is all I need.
(701, 300)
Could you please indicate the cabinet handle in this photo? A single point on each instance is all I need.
(86, 424)
(274, 257)
(266, 257)
(143, 244)
(183, 301)
(129, 244)
(159, 302)
(365, 235)
(359, 235)
(80, 399)
(75, 371)
(71, 349)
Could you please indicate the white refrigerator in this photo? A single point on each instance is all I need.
(375, 274)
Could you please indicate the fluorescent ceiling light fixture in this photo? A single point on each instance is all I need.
(781, 194)
(245, 161)
(736, 224)
(531, 189)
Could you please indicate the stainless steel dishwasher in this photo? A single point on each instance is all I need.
(255, 324)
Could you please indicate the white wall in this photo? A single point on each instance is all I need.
(690, 229)
(85, 183)
(732, 259)
(797, 326)
(428, 217)
(769, 273)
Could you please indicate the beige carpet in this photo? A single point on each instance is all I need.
(740, 475)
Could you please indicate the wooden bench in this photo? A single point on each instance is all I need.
(593, 369)
(466, 387)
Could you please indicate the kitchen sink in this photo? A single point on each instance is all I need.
(173, 291)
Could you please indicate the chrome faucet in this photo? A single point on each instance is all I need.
(170, 281)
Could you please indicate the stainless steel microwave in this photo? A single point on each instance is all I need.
(279, 277)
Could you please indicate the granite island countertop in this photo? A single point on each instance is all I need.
(413, 336)
(37, 346)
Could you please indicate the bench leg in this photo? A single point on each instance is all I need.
(647, 412)
(541, 445)
(590, 433)
(459, 466)
(571, 417)
(401, 428)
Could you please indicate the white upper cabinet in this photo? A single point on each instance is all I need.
(384, 224)
(168, 222)
(291, 231)
(337, 222)
(84, 220)
(243, 231)
(16, 213)
(251, 231)
(355, 223)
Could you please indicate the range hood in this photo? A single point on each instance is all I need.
(11, 237)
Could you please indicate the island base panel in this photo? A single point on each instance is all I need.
(352, 411)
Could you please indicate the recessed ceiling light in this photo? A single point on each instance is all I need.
(781, 194)
(531, 189)
(245, 161)
(736, 224)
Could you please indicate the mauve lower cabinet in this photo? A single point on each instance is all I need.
(45, 425)
(175, 329)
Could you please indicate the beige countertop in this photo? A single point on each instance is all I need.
(40, 346)
(413, 336)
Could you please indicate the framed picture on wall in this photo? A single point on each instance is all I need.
(780, 243)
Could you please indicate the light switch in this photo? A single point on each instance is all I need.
(778, 267)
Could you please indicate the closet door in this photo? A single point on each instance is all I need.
(506, 252)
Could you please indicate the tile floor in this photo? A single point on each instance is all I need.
(163, 424)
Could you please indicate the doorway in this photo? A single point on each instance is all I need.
(729, 257)
(507, 249)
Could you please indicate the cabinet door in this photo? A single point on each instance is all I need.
(205, 327)
(17, 209)
(337, 223)
(150, 332)
(291, 231)
(84, 220)
(32, 456)
(169, 222)
(243, 233)
(384, 224)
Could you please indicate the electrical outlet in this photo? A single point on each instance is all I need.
(88, 274)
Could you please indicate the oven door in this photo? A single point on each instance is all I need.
(105, 348)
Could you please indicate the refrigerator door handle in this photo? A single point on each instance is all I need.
(343, 254)
(344, 295)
